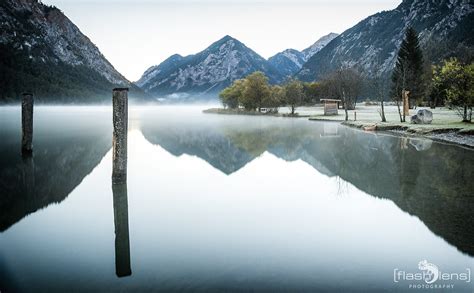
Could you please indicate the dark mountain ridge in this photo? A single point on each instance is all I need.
(445, 29)
(43, 52)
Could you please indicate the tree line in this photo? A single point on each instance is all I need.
(450, 83)
(254, 92)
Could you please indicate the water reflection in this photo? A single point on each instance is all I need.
(122, 242)
(67, 148)
(429, 180)
(228, 203)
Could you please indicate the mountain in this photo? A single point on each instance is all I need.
(42, 51)
(290, 61)
(318, 45)
(445, 29)
(207, 72)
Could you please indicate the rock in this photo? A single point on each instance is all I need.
(423, 116)
(421, 144)
(370, 127)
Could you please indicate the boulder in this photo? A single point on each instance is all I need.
(423, 116)
(421, 144)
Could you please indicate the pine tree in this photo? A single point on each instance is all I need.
(408, 73)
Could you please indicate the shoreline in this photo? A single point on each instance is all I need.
(222, 111)
(458, 134)
(453, 135)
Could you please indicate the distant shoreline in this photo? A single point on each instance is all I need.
(250, 113)
(461, 134)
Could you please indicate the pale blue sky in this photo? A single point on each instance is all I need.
(135, 35)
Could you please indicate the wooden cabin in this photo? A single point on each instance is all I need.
(330, 106)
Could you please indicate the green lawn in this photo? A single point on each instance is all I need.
(443, 118)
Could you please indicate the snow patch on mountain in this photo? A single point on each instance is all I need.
(373, 43)
(318, 45)
(208, 71)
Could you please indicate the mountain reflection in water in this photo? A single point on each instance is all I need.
(430, 180)
(167, 229)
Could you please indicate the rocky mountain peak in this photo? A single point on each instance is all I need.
(318, 45)
(43, 51)
(206, 72)
(290, 61)
(443, 26)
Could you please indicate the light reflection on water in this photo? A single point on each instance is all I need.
(226, 202)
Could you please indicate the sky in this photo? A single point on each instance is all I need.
(134, 35)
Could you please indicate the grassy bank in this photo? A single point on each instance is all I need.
(444, 120)
(446, 125)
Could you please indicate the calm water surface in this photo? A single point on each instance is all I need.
(221, 203)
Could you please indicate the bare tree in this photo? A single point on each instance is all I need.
(347, 86)
(399, 86)
(380, 85)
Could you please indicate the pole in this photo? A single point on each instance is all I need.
(119, 142)
(27, 123)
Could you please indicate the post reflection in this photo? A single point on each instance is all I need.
(28, 175)
(122, 242)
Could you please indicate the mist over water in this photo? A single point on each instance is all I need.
(216, 202)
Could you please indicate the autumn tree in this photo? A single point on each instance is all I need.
(456, 82)
(312, 92)
(275, 99)
(256, 90)
(294, 94)
(230, 96)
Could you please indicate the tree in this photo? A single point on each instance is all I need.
(456, 82)
(312, 92)
(399, 78)
(408, 73)
(379, 87)
(344, 84)
(275, 99)
(294, 94)
(256, 89)
(230, 96)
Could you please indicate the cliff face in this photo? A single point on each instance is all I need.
(290, 61)
(444, 27)
(44, 52)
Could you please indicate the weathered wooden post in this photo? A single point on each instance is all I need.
(27, 123)
(355, 116)
(122, 241)
(406, 103)
(119, 142)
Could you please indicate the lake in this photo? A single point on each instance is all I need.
(228, 203)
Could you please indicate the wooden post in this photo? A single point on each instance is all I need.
(355, 116)
(122, 240)
(406, 103)
(119, 142)
(27, 123)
